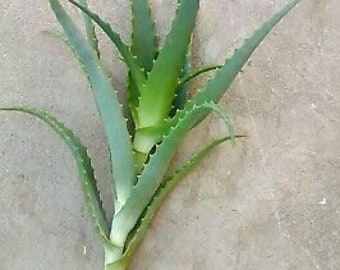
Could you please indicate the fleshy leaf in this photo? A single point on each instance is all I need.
(85, 170)
(123, 49)
(152, 175)
(157, 94)
(223, 78)
(143, 34)
(144, 47)
(108, 107)
(226, 75)
(164, 190)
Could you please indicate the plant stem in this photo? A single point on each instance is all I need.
(115, 259)
(120, 264)
(116, 266)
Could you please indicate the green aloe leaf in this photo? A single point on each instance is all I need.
(108, 107)
(123, 49)
(146, 138)
(226, 75)
(144, 44)
(233, 65)
(159, 90)
(144, 47)
(153, 175)
(219, 84)
(164, 190)
(85, 170)
(90, 30)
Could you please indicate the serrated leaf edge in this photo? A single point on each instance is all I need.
(86, 172)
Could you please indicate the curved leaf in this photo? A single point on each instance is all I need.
(144, 47)
(196, 73)
(223, 114)
(152, 176)
(143, 34)
(226, 75)
(124, 50)
(164, 190)
(85, 170)
(108, 107)
(157, 94)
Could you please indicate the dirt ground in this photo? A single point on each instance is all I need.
(269, 202)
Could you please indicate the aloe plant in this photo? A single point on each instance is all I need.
(160, 109)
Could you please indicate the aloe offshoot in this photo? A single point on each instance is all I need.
(161, 111)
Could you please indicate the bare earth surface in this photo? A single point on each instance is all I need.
(269, 203)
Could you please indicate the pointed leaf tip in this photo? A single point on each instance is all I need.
(226, 75)
(155, 102)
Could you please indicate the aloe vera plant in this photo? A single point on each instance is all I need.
(160, 109)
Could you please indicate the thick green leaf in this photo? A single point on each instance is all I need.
(90, 31)
(124, 50)
(152, 176)
(85, 170)
(146, 138)
(157, 94)
(217, 86)
(226, 75)
(118, 265)
(144, 45)
(182, 89)
(164, 190)
(108, 107)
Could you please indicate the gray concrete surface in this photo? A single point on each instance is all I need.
(270, 202)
